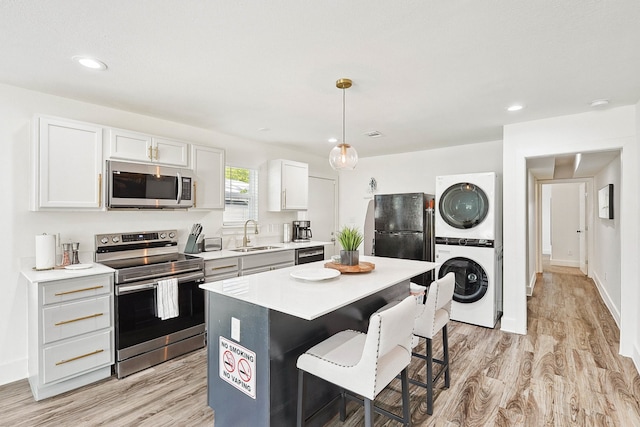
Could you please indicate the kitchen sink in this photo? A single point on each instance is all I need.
(255, 248)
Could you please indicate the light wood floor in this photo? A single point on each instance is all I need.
(565, 372)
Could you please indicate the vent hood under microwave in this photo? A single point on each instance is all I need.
(140, 186)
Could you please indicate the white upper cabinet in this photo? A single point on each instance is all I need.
(288, 185)
(140, 147)
(208, 169)
(66, 165)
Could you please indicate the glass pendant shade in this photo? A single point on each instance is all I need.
(343, 156)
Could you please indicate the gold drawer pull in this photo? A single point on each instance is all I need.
(223, 266)
(79, 290)
(78, 357)
(64, 322)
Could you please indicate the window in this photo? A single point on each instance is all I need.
(240, 195)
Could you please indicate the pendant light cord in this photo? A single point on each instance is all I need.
(343, 114)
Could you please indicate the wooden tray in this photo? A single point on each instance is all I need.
(363, 267)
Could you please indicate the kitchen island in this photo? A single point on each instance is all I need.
(258, 326)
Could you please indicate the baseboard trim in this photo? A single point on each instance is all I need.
(564, 263)
(13, 371)
(615, 313)
(532, 284)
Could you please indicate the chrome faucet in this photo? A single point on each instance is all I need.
(245, 239)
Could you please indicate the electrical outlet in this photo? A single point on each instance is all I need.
(569, 253)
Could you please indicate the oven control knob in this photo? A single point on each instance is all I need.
(172, 235)
(163, 235)
(104, 240)
(115, 239)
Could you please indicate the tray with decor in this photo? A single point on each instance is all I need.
(362, 267)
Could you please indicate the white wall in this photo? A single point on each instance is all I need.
(605, 265)
(565, 220)
(593, 131)
(19, 226)
(410, 172)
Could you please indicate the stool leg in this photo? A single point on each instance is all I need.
(368, 412)
(343, 405)
(300, 412)
(406, 415)
(445, 359)
(429, 377)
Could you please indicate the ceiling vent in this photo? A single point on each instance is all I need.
(373, 134)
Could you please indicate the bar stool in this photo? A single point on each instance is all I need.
(364, 364)
(431, 317)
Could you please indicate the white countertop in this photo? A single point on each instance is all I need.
(308, 300)
(228, 253)
(63, 274)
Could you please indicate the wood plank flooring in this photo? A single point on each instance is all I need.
(565, 372)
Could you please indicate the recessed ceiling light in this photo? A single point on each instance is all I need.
(599, 103)
(333, 140)
(93, 63)
(515, 107)
(373, 134)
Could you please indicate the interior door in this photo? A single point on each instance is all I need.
(582, 230)
(322, 212)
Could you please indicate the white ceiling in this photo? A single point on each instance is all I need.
(426, 74)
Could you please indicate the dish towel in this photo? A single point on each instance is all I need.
(167, 299)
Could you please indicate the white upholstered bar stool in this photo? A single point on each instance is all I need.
(432, 317)
(364, 364)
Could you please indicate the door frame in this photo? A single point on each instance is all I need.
(589, 219)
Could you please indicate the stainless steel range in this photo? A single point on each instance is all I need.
(141, 260)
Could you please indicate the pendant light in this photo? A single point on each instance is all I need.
(343, 156)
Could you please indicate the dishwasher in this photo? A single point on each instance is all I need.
(307, 255)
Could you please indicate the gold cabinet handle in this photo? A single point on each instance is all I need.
(99, 190)
(150, 155)
(78, 290)
(156, 150)
(62, 362)
(64, 322)
(195, 194)
(223, 267)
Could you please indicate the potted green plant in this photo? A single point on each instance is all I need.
(350, 239)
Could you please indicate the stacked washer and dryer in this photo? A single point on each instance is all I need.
(468, 230)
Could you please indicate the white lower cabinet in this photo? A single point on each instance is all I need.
(258, 263)
(71, 333)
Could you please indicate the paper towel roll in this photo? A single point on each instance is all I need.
(45, 251)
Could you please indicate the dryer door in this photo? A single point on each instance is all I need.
(463, 205)
(471, 279)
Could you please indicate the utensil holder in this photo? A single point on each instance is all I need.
(192, 246)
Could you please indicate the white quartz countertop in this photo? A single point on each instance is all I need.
(308, 300)
(35, 276)
(228, 253)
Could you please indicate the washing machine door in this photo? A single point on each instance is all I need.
(471, 279)
(463, 205)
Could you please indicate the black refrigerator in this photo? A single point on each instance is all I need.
(404, 228)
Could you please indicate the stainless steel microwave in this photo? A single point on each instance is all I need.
(134, 185)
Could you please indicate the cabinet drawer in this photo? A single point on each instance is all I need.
(268, 259)
(72, 289)
(75, 318)
(221, 267)
(77, 356)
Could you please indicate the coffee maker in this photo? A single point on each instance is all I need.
(301, 231)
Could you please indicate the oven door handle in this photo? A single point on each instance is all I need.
(151, 284)
(159, 276)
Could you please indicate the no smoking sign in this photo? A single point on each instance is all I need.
(237, 366)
